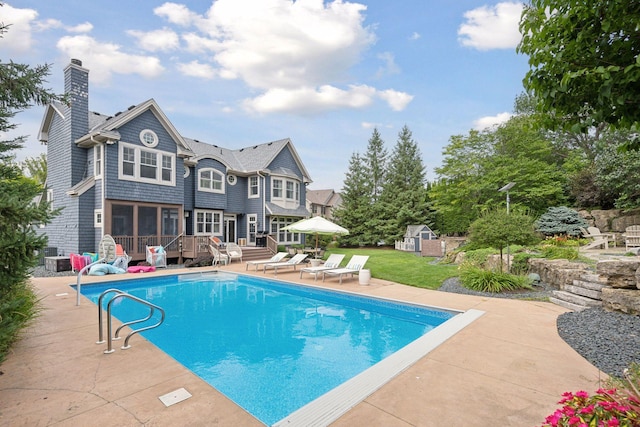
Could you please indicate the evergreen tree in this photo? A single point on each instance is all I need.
(376, 161)
(356, 202)
(20, 87)
(404, 197)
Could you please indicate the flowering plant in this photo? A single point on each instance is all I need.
(618, 406)
(606, 408)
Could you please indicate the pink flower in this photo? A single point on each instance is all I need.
(613, 422)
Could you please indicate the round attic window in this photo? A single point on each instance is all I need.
(231, 179)
(149, 138)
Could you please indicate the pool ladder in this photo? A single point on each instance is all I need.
(110, 338)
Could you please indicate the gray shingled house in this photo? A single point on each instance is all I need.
(134, 176)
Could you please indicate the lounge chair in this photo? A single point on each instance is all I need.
(632, 237)
(218, 257)
(598, 239)
(292, 262)
(276, 258)
(355, 265)
(234, 252)
(331, 263)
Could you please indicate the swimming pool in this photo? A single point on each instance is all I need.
(270, 346)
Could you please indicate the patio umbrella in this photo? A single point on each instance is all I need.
(316, 225)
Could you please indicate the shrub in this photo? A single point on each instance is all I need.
(18, 307)
(559, 252)
(520, 263)
(479, 257)
(478, 279)
(560, 220)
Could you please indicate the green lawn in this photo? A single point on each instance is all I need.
(400, 267)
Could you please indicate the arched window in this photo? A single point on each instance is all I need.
(210, 180)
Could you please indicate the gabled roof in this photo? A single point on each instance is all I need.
(415, 230)
(51, 110)
(248, 160)
(107, 129)
(320, 197)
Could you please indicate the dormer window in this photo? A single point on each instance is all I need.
(149, 138)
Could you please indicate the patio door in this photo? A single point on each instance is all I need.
(230, 229)
(252, 227)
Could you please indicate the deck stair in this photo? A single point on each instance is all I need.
(252, 253)
(583, 293)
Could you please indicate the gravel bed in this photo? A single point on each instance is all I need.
(609, 340)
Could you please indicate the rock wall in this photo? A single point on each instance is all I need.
(613, 221)
(621, 277)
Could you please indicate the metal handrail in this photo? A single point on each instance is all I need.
(110, 337)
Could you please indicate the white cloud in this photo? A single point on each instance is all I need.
(104, 59)
(176, 14)
(390, 66)
(197, 69)
(398, 101)
(490, 121)
(81, 28)
(297, 55)
(198, 44)
(164, 40)
(18, 37)
(308, 100)
(492, 27)
(415, 36)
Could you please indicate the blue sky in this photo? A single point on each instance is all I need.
(237, 73)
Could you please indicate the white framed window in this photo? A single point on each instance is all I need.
(98, 154)
(146, 165)
(254, 187)
(149, 138)
(187, 171)
(285, 189)
(97, 218)
(208, 222)
(232, 179)
(210, 180)
(276, 191)
(277, 225)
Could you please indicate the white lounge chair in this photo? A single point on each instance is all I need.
(355, 265)
(293, 262)
(234, 252)
(331, 263)
(276, 258)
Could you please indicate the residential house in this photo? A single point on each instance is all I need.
(323, 202)
(134, 176)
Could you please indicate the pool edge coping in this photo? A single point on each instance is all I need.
(332, 405)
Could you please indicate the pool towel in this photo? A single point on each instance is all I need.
(141, 269)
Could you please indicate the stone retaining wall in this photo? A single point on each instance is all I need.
(621, 277)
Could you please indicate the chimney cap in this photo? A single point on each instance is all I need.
(76, 62)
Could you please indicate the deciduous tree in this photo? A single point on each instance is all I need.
(584, 62)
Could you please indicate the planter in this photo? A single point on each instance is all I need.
(364, 276)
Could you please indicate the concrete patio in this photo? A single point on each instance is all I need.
(508, 368)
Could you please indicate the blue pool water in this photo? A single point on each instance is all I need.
(269, 346)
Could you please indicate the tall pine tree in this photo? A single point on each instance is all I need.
(356, 202)
(404, 199)
(376, 161)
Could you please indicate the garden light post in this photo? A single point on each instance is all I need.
(506, 189)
